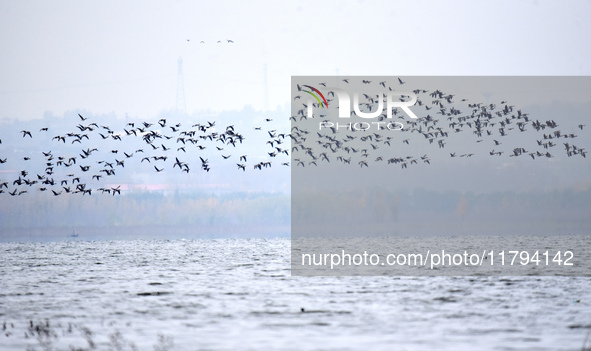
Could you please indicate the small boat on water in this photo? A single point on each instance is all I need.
(74, 234)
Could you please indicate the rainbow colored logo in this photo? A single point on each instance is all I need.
(325, 104)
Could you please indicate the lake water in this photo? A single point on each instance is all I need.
(231, 294)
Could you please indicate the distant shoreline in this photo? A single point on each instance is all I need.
(50, 234)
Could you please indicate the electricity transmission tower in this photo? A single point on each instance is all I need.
(181, 106)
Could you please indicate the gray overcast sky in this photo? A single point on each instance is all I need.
(114, 56)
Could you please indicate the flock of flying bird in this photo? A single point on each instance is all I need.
(319, 139)
(228, 41)
(164, 143)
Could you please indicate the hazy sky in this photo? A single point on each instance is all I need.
(114, 56)
(121, 57)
